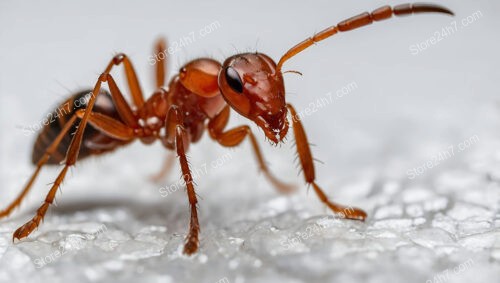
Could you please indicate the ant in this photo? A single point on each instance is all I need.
(200, 97)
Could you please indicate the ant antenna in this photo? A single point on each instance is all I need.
(361, 20)
(293, 71)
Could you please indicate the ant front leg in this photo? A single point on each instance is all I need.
(235, 136)
(306, 161)
(176, 136)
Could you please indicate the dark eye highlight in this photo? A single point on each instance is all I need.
(233, 79)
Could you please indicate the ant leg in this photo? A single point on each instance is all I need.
(160, 48)
(123, 110)
(181, 139)
(360, 20)
(192, 240)
(72, 153)
(165, 169)
(46, 156)
(103, 123)
(108, 125)
(234, 137)
(122, 107)
(161, 73)
(306, 161)
(132, 81)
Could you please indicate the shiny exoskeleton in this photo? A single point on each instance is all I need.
(94, 141)
(199, 98)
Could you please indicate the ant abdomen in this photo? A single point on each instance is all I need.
(94, 141)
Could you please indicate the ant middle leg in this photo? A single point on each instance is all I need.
(177, 137)
(235, 136)
(306, 161)
(160, 62)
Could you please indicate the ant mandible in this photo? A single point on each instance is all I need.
(200, 96)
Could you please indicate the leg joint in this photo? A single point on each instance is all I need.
(118, 58)
(103, 77)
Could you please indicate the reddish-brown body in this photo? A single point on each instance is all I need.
(200, 97)
(197, 109)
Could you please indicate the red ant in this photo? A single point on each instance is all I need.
(200, 96)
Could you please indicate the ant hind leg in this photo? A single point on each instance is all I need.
(41, 162)
(104, 123)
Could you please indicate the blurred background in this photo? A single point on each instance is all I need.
(399, 100)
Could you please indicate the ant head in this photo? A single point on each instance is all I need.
(252, 86)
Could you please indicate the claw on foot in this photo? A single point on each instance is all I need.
(282, 187)
(25, 230)
(190, 247)
(348, 212)
(157, 179)
(4, 214)
(287, 188)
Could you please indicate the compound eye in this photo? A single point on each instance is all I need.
(233, 79)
